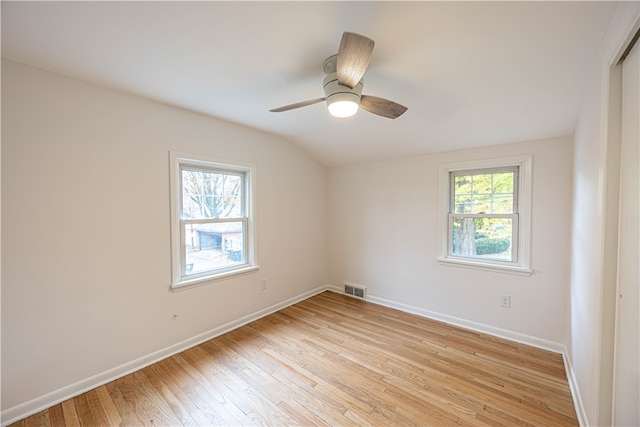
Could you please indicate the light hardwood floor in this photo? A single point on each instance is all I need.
(335, 360)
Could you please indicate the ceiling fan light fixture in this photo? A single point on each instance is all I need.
(342, 107)
(342, 101)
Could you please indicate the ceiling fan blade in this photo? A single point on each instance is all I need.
(353, 58)
(382, 107)
(297, 105)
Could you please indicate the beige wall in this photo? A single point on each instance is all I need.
(86, 229)
(384, 222)
(590, 310)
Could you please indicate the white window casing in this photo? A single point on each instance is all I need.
(520, 217)
(242, 221)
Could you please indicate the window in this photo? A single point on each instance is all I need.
(485, 208)
(212, 226)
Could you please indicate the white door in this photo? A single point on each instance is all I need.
(626, 396)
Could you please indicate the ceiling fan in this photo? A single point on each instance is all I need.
(343, 82)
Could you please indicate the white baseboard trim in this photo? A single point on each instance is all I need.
(468, 324)
(336, 289)
(581, 413)
(18, 412)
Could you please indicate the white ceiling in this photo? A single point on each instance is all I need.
(471, 73)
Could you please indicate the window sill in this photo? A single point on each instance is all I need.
(193, 283)
(507, 269)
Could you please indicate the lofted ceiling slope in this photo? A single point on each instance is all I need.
(471, 73)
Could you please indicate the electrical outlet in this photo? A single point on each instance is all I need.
(505, 301)
(263, 285)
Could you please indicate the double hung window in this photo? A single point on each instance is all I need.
(486, 214)
(483, 213)
(211, 221)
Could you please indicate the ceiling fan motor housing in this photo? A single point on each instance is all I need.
(335, 92)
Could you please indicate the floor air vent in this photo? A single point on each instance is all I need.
(355, 290)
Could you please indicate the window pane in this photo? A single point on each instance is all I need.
(482, 238)
(484, 193)
(211, 194)
(462, 185)
(482, 183)
(213, 246)
(481, 203)
(463, 204)
(503, 182)
(502, 203)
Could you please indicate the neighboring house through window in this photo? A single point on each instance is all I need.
(485, 209)
(212, 224)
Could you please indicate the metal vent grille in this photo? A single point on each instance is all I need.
(355, 290)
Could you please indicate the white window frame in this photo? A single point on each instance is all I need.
(180, 280)
(521, 241)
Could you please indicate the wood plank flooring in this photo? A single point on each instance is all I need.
(335, 360)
